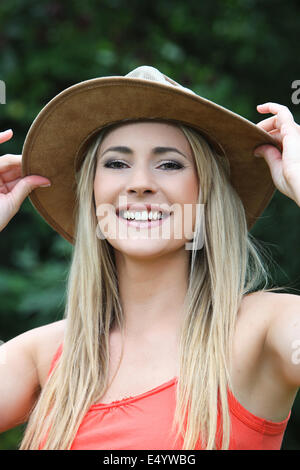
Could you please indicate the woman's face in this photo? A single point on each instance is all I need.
(146, 163)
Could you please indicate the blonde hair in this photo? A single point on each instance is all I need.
(227, 267)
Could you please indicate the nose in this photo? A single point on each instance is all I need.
(141, 181)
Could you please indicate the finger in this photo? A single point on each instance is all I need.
(6, 187)
(277, 136)
(272, 156)
(10, 167)
(262, 150)
(283, 114)
(268, 124)
(8, 162)
(274, 108)
(35, 181)
(5, 135)
(10, 176)
(24, 187)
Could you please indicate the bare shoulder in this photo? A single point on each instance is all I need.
(262, 298)
(25, 360)
(283, 339)
(45, 342)
(266, 359)
(256, 311)
(271, 316)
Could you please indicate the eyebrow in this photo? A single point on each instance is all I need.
(155, 150)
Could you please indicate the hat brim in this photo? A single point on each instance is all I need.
(54, 142)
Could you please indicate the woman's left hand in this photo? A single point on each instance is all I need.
(284, 165)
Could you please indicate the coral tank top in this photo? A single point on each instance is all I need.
(144, 422)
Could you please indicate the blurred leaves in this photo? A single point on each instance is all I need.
(238, 53)
(11, 439)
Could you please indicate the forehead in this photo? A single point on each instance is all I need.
(152, 133)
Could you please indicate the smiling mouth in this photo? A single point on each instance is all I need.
(145, 223)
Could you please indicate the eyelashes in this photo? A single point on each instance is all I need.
(109, 164)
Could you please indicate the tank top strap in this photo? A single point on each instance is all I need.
(55, 358)
(257, 423)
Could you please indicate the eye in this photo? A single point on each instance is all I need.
(112, 163)
(176, 164)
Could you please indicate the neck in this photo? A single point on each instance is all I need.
(152, 293)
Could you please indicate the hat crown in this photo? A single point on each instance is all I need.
(146, 72)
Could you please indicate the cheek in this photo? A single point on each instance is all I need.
(191, 193)
(100, 192)
(190, 188)
(103, 187)
(184, 195)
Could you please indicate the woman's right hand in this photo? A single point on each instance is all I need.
(13, 188)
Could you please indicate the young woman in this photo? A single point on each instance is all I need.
(161, 347)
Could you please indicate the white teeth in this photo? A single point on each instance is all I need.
(142, 215)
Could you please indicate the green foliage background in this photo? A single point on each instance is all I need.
(239, 53)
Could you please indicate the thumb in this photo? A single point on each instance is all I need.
(25, 186)
(271, 155)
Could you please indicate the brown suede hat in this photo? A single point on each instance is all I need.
(57, 139)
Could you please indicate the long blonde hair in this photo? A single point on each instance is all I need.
(228, 266)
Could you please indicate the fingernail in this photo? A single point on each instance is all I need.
(45, 185)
